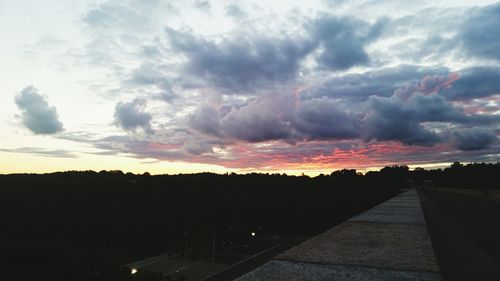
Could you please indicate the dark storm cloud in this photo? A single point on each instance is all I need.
(473, 138)
(475, 82)
(465, 84)
(416, 113)
(265, 118)
(480, 35)
(323, 119)
(400, 117)
(37, 115)
(131, 116)
(357, 87)
(432, 108)
(389, 119)
(250, 60)
(206, 119)
(344, 40)
(242, 62)
(278, 117)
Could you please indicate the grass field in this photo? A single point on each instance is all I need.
(474, 192)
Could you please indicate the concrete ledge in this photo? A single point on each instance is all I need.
(381, 245)
(391, 215)
(298, 271)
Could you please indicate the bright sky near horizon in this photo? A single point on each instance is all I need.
(268, 86)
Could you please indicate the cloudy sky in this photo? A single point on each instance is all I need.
(272, 86)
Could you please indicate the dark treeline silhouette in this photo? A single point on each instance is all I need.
(71, 225)
(475, 175)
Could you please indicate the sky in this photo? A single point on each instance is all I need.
(247, 86)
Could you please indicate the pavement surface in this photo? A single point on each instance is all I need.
(387, 242)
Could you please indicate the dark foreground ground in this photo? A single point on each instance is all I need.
(465, 232)
(85, 225)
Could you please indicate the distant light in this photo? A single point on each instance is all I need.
(133, 271)
(253, 233)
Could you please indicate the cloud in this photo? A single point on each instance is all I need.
(147, 74)
(343, 41)
(41, 152)
(154, 79)
(480, 35)
(428, 85)
(372, 88)
(278, 117)
(357, 87)
(131, 116)
(390, 119)
(206, 120)
(475, 82)
(108, 15)
(235, 12)
(265, 118)
(115, 28)
(461, 85)
(262, 119)
(203, 5)
(415, 114)
(127, 15)
(323, 119)
(473, 138)
(401, 116)
(422, 36)
(197, 146)
(251, 59)
(240, 63)
(37, 115)
(335, 3)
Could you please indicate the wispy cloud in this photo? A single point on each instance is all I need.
(41, 152)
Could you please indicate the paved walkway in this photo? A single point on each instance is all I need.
(388, 242)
